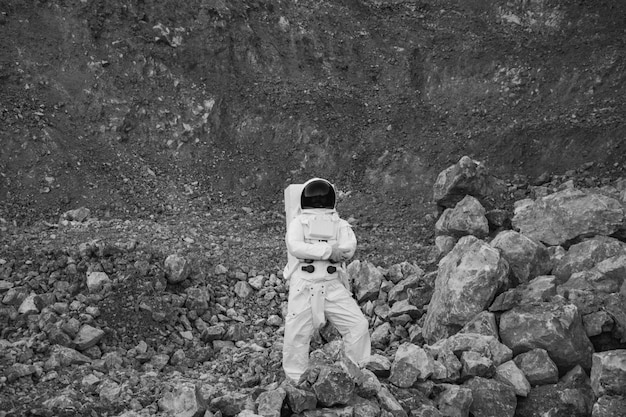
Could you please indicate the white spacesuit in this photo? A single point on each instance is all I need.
(318, 242)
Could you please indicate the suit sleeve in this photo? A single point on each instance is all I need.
(346, 238)
(302, 250)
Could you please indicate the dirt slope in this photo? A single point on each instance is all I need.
(136, 108)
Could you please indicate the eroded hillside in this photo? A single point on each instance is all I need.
(150, 107)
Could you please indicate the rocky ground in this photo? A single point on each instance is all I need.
(183, 315)
(138, 307)
(142, 320)
(179, 125)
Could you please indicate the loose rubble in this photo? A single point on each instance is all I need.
(510, 322)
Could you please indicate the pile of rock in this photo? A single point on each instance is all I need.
(525, 321)
(528, 321)
(524, 315)
(105, 312)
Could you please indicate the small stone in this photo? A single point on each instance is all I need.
(257, 282)
(608, 374)
(474, 364)
(177, 269)
(243, 289)
(87, 337)
(221, 270)
(379, 365)
(19, 370)
(28, 306)
(299, 400)
(96, 281)
(538, 367)
(109, 391)
(274, 320)
(177, 358)
(182, 400)
(159, 361)
(77, 215)
(509, 373)
(333, 386)
(270, 402)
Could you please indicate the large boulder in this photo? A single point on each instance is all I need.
(491, 398)
(510, 374)
(299, 400)
(556, 400)
(411, 363)
(609, 406)
(566, 215)
(466, 218)
(587, 254)
(538, 367)
(333, 386)
(467, 177)
(488, 346)
(542, 288)
(557, 328)
(389, 403)
(592, 281)
(454, 400)
(527, 258)
(608, 373)
(467, 281)
(270, 402)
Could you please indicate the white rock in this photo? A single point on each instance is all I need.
(97, 280)
(28, 305)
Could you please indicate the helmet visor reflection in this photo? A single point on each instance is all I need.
(316, 189)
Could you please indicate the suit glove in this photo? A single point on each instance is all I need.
(337, 255)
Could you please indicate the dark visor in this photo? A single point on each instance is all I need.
(317, 188)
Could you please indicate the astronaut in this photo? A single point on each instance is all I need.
(318, 243)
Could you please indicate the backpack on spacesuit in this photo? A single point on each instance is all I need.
(292, 209)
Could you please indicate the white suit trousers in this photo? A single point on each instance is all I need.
(338, 307)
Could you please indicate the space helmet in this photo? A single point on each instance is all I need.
(318, 193)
